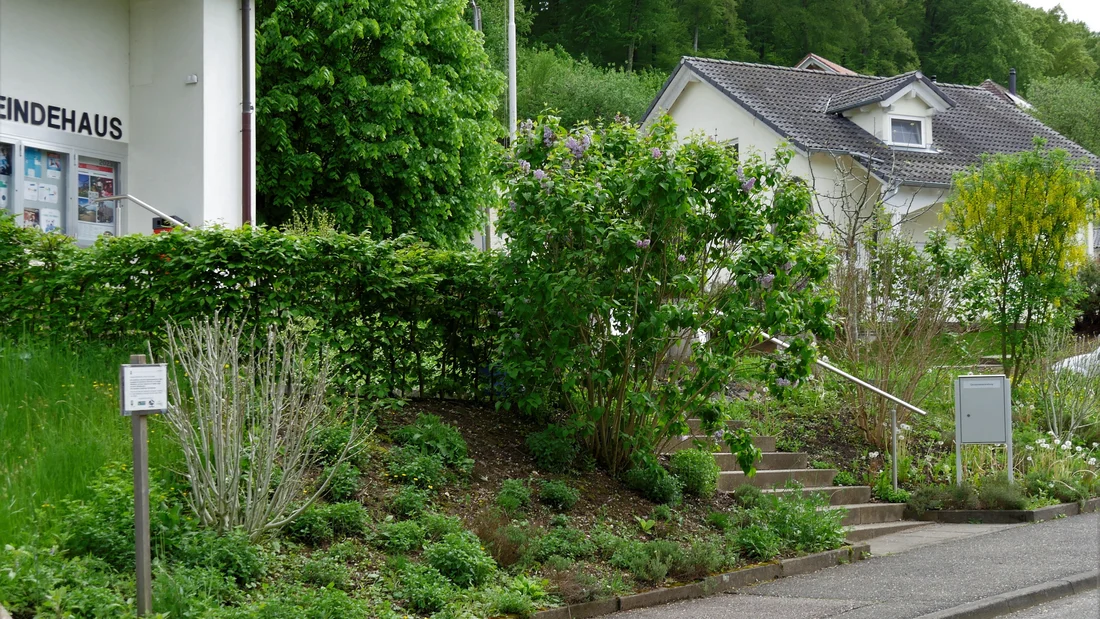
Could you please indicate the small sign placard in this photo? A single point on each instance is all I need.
(144, 388)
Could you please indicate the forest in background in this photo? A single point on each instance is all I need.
(587, 59)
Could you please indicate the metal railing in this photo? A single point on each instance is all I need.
(145, 206)
(868, 386)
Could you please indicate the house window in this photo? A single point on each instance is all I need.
(904, 131)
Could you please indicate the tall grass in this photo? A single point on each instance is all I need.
(59, 423)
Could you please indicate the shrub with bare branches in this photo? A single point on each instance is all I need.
(245, 408)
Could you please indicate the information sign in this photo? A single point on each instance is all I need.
(144, 388)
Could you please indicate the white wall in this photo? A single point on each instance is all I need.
(166, 152)
(68, 53)
(221, 109)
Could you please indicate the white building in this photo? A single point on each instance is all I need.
(858, 139)
(103, 98)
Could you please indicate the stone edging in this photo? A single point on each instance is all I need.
(1013, 601)
(1010, 516)
(711, 584)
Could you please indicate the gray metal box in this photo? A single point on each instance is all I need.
(983, 409)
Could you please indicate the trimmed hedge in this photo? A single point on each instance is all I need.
(396, 314)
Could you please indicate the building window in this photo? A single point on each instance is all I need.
(908, 132)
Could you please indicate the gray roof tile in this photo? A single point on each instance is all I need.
(793, 102)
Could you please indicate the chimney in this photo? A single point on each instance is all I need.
(1012, 81)
(933, 78)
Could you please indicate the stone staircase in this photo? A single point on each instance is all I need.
(864, 520)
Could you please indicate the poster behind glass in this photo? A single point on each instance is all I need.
(44, 175)
(7, 160)
(95, 178)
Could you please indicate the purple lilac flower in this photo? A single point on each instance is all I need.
(682, 258)
(512, 204)
(540, 174)
(642, 243)
(748, 185)
(766, 280)
(740, 174)
(524, 166)
(500, 314)
(719, 434)
(782, 382)
(787, 266)
(527, 127)
(801, 285)
(656, 152)
(548, 136)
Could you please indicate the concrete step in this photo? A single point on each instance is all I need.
(676, 443)
(731, 480)
(696, 425)
(769, 461)
(838, 495)
(870, 513)
(864, 532)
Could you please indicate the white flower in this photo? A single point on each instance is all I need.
(905, 426)
(1095, 445)
(1067, 445)
(1050, 432)
(1092, 461)
(1045, 446)
(1079, 448)
(1029, 458)
(939, 443)
(1029, 448)
(873, 454)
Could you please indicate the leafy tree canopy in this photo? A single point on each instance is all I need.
(379, 112)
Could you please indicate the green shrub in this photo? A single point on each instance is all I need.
(559, 520)
(555, 449)
(423, 588)
(662, 513)
(558, 495)
(844, 478)
(331, 441)
(437, 526)
(403, 537)
(461, 559)
(884, 491)
(231, 555)
(702, 558)
(655, 483)
(347, 519)
(998, 493)
(514, 495)
(431, 436)
(325, 572)
(310, 527)
(409, 501)
(802, 522)
(697, 470)
(748, 496)
(507, 542)
(943, 497)
(344, 483)
(721, 521)
(504, 601)
(758, 542)
(190, 592)
(565, 542)
(410, 466)
(648, 562)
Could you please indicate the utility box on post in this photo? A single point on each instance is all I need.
(983, 415)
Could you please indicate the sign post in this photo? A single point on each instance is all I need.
(143, 390)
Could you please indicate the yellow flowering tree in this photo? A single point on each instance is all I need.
(1022, 216)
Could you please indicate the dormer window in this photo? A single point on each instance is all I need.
(906, 132)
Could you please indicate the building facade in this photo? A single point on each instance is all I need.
(108, 98)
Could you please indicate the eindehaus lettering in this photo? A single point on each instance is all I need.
(64, 119)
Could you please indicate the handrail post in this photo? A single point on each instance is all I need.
(894, 446)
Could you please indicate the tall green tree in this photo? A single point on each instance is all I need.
(379, 112)
(968, 41)
(1064, 45)
(1021, 216)
(1070, 107)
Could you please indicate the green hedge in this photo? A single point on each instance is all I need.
(397, 314)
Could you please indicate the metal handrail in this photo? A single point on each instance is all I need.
(864, 384)
(145, 206)
(874, 389)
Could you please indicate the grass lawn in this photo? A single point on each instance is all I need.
(59, 423)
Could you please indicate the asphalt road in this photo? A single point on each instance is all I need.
(915, 582)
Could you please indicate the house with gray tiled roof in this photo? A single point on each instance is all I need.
(859, 139)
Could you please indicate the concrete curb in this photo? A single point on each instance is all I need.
(712, 584)
(1010, 516)
(1022, 598)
